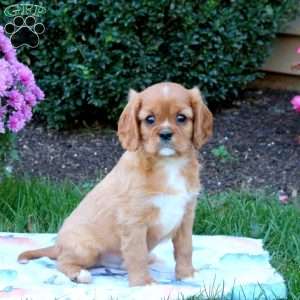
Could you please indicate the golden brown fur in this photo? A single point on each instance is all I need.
(123, 214)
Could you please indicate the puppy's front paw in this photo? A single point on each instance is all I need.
(141, 280)
(184, 272)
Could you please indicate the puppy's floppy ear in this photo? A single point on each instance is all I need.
(203, 119)
(128, 129)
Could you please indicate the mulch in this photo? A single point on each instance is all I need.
(256, 144)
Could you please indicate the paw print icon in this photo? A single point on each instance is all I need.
(24, 32)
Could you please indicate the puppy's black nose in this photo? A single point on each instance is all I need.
(166, 134)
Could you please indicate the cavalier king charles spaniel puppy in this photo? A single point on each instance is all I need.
(149, 196)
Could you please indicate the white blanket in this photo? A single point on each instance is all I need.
(229, 267)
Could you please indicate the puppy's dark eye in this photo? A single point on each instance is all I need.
(180, 118)
(150, 120)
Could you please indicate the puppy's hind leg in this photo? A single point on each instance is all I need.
(75, 272)
(75, 262)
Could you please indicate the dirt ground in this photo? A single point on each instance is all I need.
(256, 144)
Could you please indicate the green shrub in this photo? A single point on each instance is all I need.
(93, 51)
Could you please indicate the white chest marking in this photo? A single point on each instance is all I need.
(172, 207)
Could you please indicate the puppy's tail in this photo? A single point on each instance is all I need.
(51, 252)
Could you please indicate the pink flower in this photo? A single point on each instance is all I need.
(2, 111)
(27, 112)
(38, 93)
(296, 103)
(30, 98)
(283, 197)
(2, 87)
(6, 78)
(6, 47)
(25, 75)
(298, 50)
(16, 122)
(15, 99)
(19, 92)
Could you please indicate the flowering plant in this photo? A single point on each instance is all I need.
(19, 94)
(296, 103)
(296, 100)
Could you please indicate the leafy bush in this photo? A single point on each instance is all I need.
(93, 51)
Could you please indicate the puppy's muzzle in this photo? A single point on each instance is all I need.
(165, 134)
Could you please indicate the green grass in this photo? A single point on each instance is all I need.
(41, 206)
(34, 205)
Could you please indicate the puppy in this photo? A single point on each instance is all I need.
(149, 196)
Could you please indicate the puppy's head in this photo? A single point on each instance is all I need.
(165, 119)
